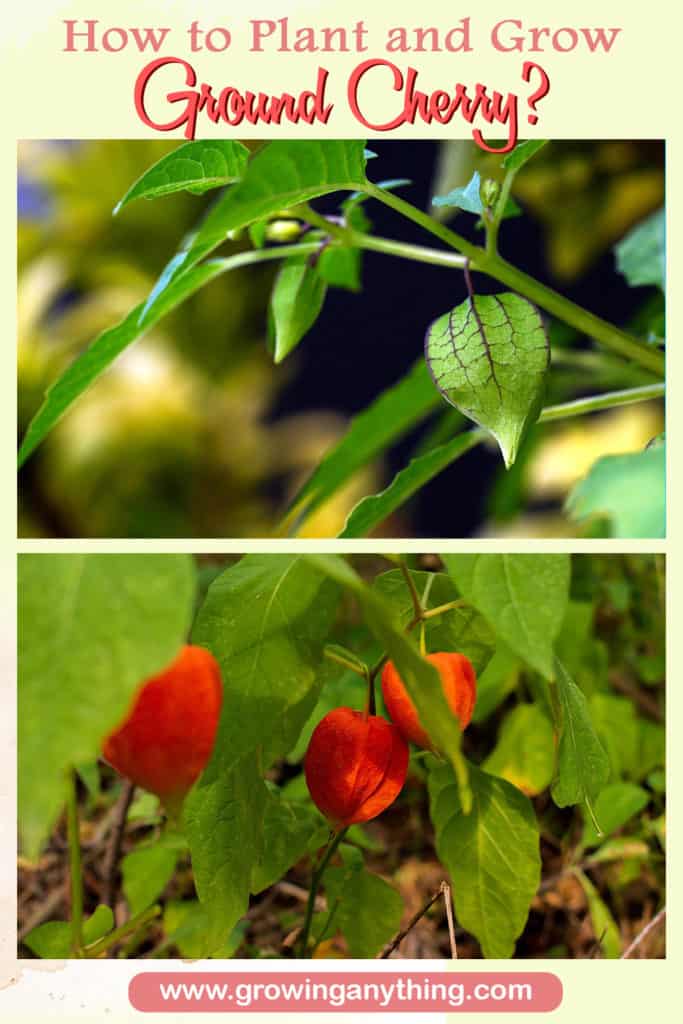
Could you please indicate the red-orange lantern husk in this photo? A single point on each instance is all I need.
(355, 766)
(167, 738)
(459, 683)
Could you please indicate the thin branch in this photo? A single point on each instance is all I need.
(414, 596)
(400, 936)
(111, 865)
(446, 890)
(313, 892)
(640, 938)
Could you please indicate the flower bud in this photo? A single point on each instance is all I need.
(459, 683)
(489, 192)
(355, 766)
(167, 738)
(283, 230)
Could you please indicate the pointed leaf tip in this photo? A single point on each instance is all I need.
(489, 357)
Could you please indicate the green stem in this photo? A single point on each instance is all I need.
(326, 926)
(594, 403)
(405, 251)
(494, 227)
(75, 867)
(332, 653)
(317, 220)
(315, 885)
(134, 924)
(564, 309)
(474, 253)
(441, 609)
(414, 596)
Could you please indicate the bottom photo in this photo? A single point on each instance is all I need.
(302, 756)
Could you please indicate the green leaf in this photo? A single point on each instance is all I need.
(614, 807)
(498, 680)
(616, 724)
(492, 855)
(524, 597)
(369, 910)
(522, 153)
(223, 817)
(525, 751)
(297, 298)
(651, 748)
(641, 254)
(266, 619)
(283, 174)
(421, 679)
(375, 508)
(630, 490)
(339, 266)
(466, 198)
(287, 830)
(195, 167)
(385, 421)
(460, 629)
(582, 764)
(489, 358)
(184, 923)
(52, 941)
(92, 628)
(148, 869)
(604, 926)
(574, 639)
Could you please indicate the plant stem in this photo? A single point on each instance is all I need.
(594, 403)
(495, 266)
(75, 867)
(132, 925)
(406, 251)
(564, 309)
(400, 936)
(326, 926)
(440, 609)
(455, 241)
(494, 227)
(647, 930)
(332, 654)
(414, 596)
(114, 850)
(315, 885)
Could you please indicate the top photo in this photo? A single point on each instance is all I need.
(320, 339)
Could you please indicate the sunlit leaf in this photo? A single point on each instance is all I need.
(297, 298)
(195, 167)
(92, 628)
(375, 508)
(492, 855)
(524, 598)
(629, 490)
(489, 357)
(582, 764)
